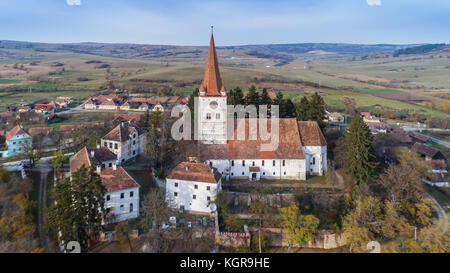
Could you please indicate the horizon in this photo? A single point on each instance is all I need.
(206, 45)
(236, 23)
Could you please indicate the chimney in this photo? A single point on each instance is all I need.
(114, 166)
(122, 123)
(92, 153)
(187, 168)
(99, 169)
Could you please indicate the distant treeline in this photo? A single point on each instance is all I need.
(417, 49)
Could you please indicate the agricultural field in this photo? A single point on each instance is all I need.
(419, 82)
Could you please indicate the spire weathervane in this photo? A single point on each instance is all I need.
(212, 27)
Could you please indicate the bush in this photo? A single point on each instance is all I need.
(160, 173)
(265, 242)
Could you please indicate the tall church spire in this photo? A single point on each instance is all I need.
(212, 83)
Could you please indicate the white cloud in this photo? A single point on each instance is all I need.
(73, 2)
(373, 2)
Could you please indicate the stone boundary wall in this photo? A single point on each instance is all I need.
(324, 239)
(232, 239)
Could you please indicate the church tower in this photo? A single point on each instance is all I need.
(212, 102)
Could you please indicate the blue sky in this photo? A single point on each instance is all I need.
(236, 22)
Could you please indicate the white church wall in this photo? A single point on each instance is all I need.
(270, 169)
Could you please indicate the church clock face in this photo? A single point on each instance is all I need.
(213, 105)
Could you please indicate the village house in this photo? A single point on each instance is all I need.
(127, 140)
(128, 117)
(43, 133)
(192, 187)
(420, 138)
(122, 190)
(99, 157)
(63, 102)
(427, 152)
(44, 108)
(30, 116)
(108, 105)
(335, 117)
(6, 117)
(90, 104)
(400, 136)
(18, 141)
(376, 125)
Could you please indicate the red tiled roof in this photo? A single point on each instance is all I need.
(401, 137)
(84, 157)
(102, 154)
(116, 180)
(18, 130)
(426, 150)
(79, 159)
(196, 172)
(439, 164)
(212, 82)
(311, 134)
(6, 114)
(44, 131)
(63, 128)
(136, 116)
(290, 142)
(420, 137)
(123, 132)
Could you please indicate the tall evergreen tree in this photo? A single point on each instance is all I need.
(191, 101)
(289, 108)
(360, 156)
(79, 208)
(252, 97)
(302, 109)
(230, 97)
(279, 100)
(238, 96)
(265, 98)
(317, 109)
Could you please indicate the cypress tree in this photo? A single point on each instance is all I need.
(359, 156)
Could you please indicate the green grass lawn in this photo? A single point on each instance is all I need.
(367, 102)
(145, 179)
(441, 148)
(379, 91)
(8, 81)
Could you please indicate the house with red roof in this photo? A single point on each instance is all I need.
(127, 140)
(122, 190)
(193, 186)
